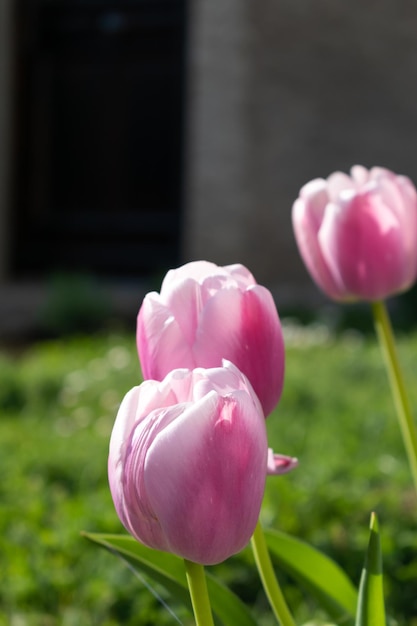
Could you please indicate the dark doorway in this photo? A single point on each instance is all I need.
(100, 110)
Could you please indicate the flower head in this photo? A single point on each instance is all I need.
(204, 314)
(188, 460)
(357, 234)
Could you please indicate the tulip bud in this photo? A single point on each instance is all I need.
(205, 313)
(187, 463)
(357, 235)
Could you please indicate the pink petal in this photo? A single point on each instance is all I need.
(244, 328)
(160, 341)
(241, 274)
(362, 245)
(183, 299)
(126, 467)
(224, 380)
(399, 194)
(216, 451)
(376, 173)
(360, 175)
(279, 463)
(306, 226)
(196, 270)
(338, 182)
(315, 198)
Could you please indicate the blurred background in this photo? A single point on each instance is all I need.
(139, 134)
(136, 135)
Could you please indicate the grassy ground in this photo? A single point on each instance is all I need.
(58, 401)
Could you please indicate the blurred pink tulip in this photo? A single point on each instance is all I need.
(188, 460)
(205, 313)
(357, 234)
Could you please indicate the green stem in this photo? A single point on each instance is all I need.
(269, 580)
(199, 595)
(407, 426)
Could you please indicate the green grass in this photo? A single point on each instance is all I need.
(58, 401)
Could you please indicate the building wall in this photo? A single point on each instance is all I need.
(279, 92)
(283, 92)
(219, 201)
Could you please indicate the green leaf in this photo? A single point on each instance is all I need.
(317, 573)
(371, 608)
(168, 570)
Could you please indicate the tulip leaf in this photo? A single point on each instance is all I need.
(317, 573)
(371, 608)
(169, 570)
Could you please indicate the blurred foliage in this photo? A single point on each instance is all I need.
(75, 303)
(58, 400)
(357, 315)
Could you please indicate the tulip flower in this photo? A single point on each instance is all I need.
(188, 460)
(358, 238)
(205, 313)
(357, 234)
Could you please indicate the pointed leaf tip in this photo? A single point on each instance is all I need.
(373, 560)
(371, 607)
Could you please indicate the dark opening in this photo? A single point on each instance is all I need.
(100, 109)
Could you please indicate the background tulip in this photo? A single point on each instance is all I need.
(187, 463)
(358, 234)
(205, 313)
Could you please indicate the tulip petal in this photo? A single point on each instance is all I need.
(136, 406)
(306, 226)
(338, 182)
(360, 175)
(202, 270)
(216, 450)
(241, 274)
(224, 380)
(316, 197)
(160, 341)
(278, 464)
(244, 328)
(128, 450)
(184, 301)
(400, 195)
(362, 245)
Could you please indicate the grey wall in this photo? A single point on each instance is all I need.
(284, 91)
(280, 91)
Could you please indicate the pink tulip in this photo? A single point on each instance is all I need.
(205, 313)
(188, 460)
(357, 235)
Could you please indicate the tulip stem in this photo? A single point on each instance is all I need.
(199, 595)
(405, 418)
(269, 580)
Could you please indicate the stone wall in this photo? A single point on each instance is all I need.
(284, 91)
(279, 92)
